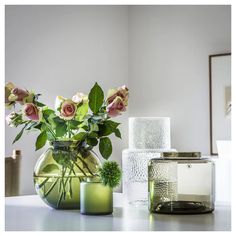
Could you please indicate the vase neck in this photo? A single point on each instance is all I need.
(63, 145)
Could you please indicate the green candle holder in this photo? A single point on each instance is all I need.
(95, 197)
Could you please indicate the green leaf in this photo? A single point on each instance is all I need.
(41, 140)
(108, 128)
(81, 112)
(117, 133)
(49, 168)
(47, 112)
(74, 124)
(61, 129)
(80, 136)
(57, 119)
(43, 127)
(50, 136)
(93, 135)
(105, 147)
(92, 141)
(96, 97)
(51, 121)
(94, 127)
(18, 136)
(39, 104)
(33, 125)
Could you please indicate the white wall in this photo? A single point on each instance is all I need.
(160, 52)
(168, 66)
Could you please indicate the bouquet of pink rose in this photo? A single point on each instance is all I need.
(71, 119)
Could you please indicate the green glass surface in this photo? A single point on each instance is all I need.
(96, 198)
(59, 185)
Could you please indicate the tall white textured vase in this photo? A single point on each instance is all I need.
(149, 133)
(148, 137)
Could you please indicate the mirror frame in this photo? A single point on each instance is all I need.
(210, 95)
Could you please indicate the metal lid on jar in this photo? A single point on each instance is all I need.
(181, 155)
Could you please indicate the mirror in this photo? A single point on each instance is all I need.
(220, 99)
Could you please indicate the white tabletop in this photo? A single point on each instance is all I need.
(30, 213)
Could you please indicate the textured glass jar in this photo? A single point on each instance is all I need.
(95, 197)
(59, 171)
(135, 174)
(181, 184)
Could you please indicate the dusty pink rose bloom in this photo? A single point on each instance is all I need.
(32, 112)
(117, 101)
(18, 95)
(122, 92)
(116, 107)
(68, 109)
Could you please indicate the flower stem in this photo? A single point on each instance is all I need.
(51, 131)
(63, 193)
(79, 168)
(85, 164)
(51, 188)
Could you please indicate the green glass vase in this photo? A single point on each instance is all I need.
(59, 171)
(95, 197)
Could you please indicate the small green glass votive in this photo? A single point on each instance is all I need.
(95, 197)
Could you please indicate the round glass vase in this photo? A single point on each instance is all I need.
(95, 197)
(59, 171)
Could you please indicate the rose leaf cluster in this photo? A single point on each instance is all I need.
(84, 119)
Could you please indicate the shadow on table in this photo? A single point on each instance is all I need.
(19, 218)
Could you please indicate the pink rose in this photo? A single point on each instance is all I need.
(117, 101)
(18, 95)
(68, 109)
(32, 112)
(116, 107)
(122, 92)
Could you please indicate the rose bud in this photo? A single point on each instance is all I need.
(80, 97)
(122, 92)
(117, 100)
(68, 109)
(116, 107)
(18, 95)
(8, 88)
(13, 119)
(32, 112)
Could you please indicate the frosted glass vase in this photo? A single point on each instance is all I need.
(149, 133)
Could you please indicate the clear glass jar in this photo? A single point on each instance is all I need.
(95, 197)
(59, 172)
(181, 183)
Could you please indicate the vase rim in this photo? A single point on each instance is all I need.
(62, 143)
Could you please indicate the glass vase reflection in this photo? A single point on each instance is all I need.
(181, 183)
